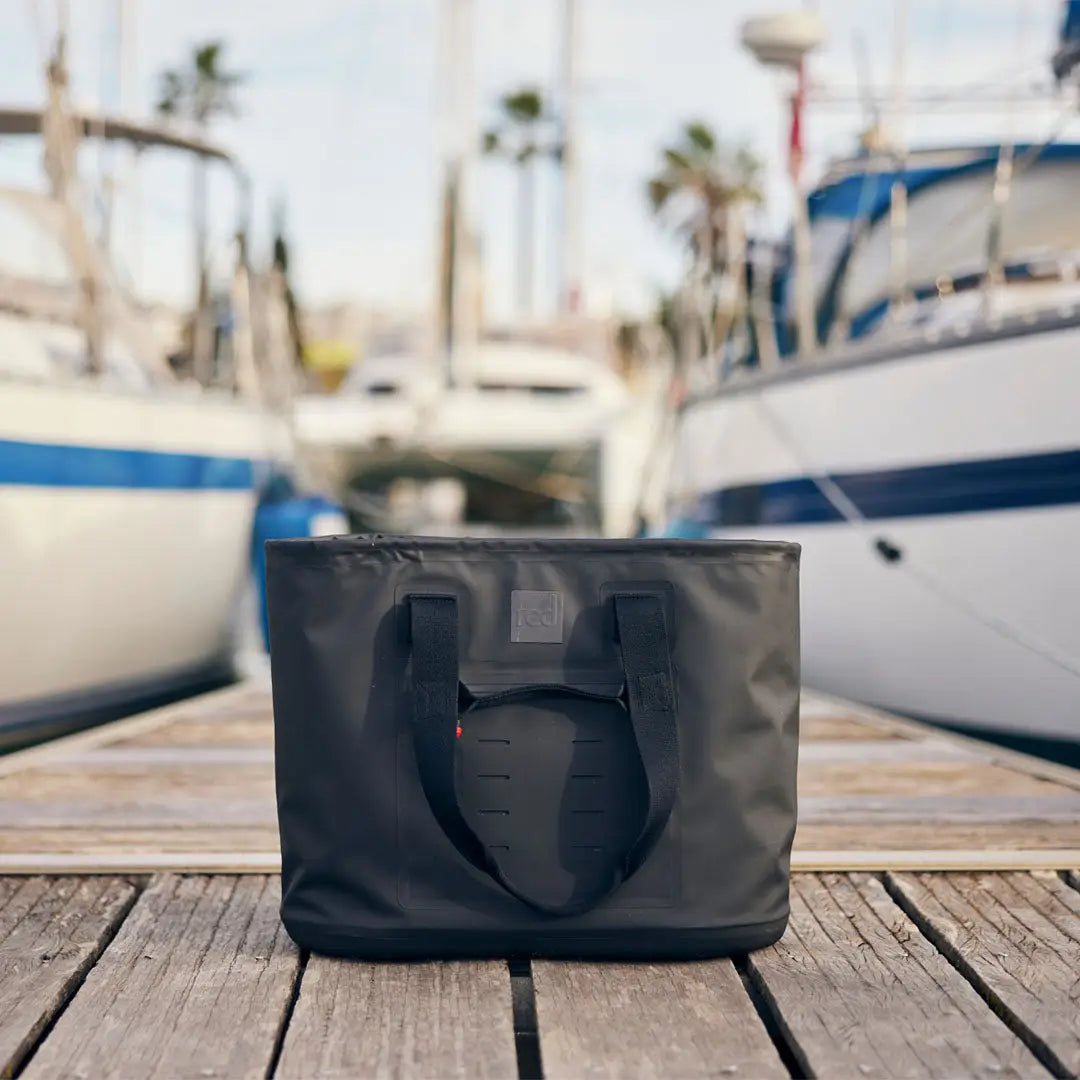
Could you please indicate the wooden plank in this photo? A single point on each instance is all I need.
(1017, 938)
(197, 778)
(999, 836)
(72, 783)
(196, 983)
(933, 859)
(836, 726)
(87, 842)
(139, 807)
(129, 757)
(874, 751)
(923, 779)
(185, 861)
(419, 1020)
(874, 810)
(226, 728)
(858, 991)
(194, 853)
(649, 1021)
(110, 810)
(51, 932)
(884, 723)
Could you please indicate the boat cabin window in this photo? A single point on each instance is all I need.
(549, 389)
(948, 222)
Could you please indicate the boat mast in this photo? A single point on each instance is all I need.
(456, 289)
(60, 166)
(898, 137)
(571, 294)
(126, 37)
(805, 320)
(1002, 191)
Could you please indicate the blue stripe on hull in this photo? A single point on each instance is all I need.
(53, 465)
(965, 487)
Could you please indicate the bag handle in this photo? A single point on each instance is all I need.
(646, 660)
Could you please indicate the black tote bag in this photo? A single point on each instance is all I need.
(534, 747)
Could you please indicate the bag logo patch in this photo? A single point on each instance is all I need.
(536, 616)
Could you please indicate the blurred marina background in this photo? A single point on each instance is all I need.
(564, 268)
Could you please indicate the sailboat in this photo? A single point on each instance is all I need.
(926, 449)
(127, 488)
(487, 433)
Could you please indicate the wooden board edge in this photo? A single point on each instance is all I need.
(236, 862)
(127, 728)
(990, 752)
(959, 861)
(139, 862)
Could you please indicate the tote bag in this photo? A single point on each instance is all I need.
(507, 747)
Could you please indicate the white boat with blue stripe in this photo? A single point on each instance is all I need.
(927, 456)
(125, 525)
(128, 487)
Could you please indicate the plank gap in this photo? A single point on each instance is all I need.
(287, 1015)
(1031, 1039)
(526, 1033)
(72, 986)
(772, 1019)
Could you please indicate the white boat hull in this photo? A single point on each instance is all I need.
(125, 528)
(965, 460)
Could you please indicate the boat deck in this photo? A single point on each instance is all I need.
(935, 928)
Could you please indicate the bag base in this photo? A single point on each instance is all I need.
(432, 944)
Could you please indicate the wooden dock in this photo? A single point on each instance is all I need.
(935, 928)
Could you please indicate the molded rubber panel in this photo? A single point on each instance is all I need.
(556, 784)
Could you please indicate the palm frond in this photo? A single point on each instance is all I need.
(700, 136)
(171, 93)
(676, 159)
(660, 190)
(204, 89)
(206, 59)
(525, 106)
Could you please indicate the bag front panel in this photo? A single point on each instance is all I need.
(360, 846)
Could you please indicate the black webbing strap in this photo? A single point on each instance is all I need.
(646, 659)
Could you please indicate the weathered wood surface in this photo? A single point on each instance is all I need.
(196, 983)
(833, 725)
(859, 991)
(384, 1021)
(1017, 938)
(910, 975)
(196, 779)
(51, 932)
(648, 1021)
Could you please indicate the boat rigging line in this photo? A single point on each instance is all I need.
(894, 555)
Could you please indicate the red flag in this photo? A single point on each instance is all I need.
(795, 145)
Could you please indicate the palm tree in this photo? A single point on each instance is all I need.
(521, 136)
(200, 92)
(698, 183)
(699, 192)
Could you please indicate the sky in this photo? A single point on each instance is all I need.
(340, 111)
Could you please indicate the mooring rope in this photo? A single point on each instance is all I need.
(895, 556)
